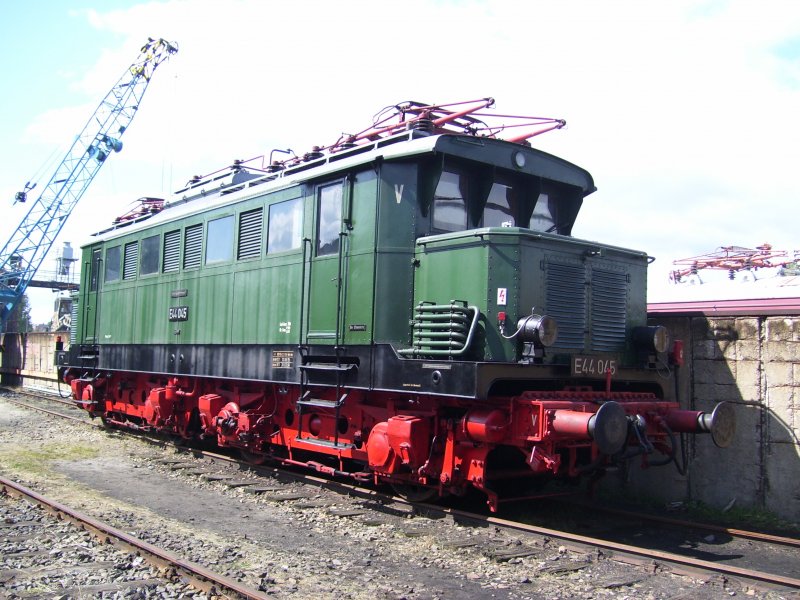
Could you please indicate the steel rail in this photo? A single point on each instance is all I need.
(627, 549)
(51, 412)
(740, 533)
(55, 396)
(196, 571)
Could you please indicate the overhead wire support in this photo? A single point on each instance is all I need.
(24, 252)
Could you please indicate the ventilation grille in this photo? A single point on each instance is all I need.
(609, 310)
(131, 258)
(73, 329)
(566, 303)
(172, 251)
(250, 227)
(193, 247)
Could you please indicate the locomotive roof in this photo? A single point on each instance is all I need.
(242, 183)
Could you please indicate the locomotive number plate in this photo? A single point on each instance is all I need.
(592, 366)
(178, 313)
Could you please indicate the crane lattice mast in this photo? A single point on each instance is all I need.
(22, 255)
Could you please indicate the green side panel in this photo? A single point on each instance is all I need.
(507, 272)
(267, 304)
(394, 271)
(362, 227)
(209, 299)
(115, 317)
(454, 270)
(394, 297)
(153, 299)
(357, 326)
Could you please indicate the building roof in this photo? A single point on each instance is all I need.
(768, 294)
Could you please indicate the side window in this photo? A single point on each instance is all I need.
(329, 219)
(251, 224)
(285, 230)
(172, 251)
(130, 260)
(449, 202)
(112, 264)
(193, 246)
(219, 243)
(500, 206)
(150, 247)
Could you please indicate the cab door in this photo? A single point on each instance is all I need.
(327, 266)
(91, 304)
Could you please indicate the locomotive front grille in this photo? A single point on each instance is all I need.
(609, 303)
(587, 301)
(566, 303)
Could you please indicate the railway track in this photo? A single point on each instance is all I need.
(635, 555)
(26, 566)
(204, 464)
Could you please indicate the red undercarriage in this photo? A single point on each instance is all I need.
(444, 445)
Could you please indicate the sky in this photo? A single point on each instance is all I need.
(686, 113)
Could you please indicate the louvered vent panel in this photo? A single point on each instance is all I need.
(566, 303)
(250, 226)
(73, 330)
(609, 310)
(193, 246)
(130, 261)
(172, 251)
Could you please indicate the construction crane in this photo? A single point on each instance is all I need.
(733, 259)
(22, 255)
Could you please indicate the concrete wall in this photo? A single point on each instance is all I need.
(753, 362)
(27, 358)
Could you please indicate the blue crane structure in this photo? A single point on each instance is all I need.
(22, 255)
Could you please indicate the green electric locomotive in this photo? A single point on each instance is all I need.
(405, 306)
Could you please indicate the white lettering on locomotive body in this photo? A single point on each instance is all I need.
(178, 313)
(285, 327)
(398, 191)
(592, 366)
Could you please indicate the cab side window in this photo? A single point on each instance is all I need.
(219, 243)
(150, 247)
(285, 229)
(112, 272)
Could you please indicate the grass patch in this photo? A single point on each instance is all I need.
(38, 461)
(742, 518)
(754, 519)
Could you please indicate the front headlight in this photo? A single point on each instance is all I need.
(540, 330)
(651, 338)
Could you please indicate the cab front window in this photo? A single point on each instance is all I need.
(501, 206)
(450, 202)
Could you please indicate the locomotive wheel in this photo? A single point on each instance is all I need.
(415, 493)
(253, 458)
